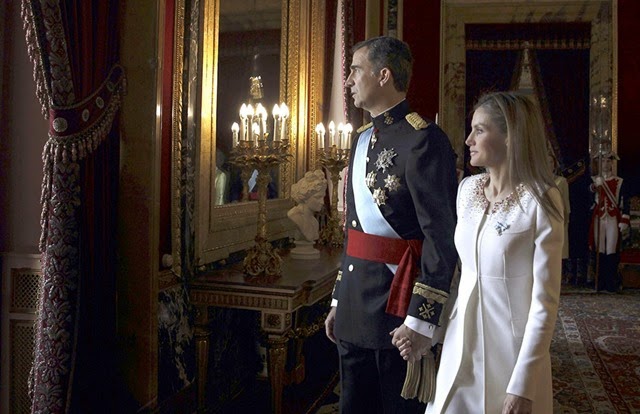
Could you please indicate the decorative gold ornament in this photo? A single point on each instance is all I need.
(333, 160)
(262, 260)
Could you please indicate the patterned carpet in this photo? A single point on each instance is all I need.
(595, 355)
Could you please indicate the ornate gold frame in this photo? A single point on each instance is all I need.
(222, 230)
(457, 13)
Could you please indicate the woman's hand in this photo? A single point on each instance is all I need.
(516, 405)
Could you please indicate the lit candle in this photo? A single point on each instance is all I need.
(276, 118)
(243, 120)
(341, 135)
(261, 113)
(250, 114)
(320, 134)
(349, 129)
(284, 114)
(332, 134)
(234, 129)
(256, 133)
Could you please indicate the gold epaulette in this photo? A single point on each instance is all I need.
(416, 121)
(364, 127)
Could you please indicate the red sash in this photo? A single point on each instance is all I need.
(380, 249)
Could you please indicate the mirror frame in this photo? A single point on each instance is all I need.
(222, 230)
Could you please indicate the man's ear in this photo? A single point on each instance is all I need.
(385, 76)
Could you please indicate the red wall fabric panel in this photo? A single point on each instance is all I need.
(421, 30)
(628, 97)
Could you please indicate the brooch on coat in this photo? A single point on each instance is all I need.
(500, 227)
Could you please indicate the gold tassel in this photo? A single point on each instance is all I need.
(420, 380)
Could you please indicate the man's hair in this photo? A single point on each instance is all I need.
(389, 52)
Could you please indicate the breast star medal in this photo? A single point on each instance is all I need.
(392, 183)
(370, 181)
(385, 159)
(379, 196)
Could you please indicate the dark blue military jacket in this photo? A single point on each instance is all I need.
(419, 204)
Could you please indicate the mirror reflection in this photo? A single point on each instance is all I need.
(248, 72)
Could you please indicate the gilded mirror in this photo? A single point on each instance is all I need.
(225, 43)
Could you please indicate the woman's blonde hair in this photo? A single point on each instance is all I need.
(518, 116)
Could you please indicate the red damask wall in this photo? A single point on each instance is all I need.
(629, 92)
(421, 30)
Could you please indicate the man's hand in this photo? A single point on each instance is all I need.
(516, 405)
(328, 324)
(410, 343)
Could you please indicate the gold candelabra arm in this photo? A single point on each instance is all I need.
(333, 160)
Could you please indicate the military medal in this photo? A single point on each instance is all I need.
(370, 180)
(379, 196)
(385, 159)
(392, 182)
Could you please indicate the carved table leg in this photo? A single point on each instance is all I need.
(202, 333)
(277, 360)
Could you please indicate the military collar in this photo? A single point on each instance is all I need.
(391, 116)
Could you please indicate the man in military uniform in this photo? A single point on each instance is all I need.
(400, 256)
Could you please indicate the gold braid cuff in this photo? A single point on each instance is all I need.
(428, 292)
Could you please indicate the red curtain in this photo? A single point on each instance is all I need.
(74, 47)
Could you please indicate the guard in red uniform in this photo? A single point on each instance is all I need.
(609, 221)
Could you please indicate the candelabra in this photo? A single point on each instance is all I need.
(334, 159)
(261, 154)
(261, 259)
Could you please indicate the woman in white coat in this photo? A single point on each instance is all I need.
(509, 237)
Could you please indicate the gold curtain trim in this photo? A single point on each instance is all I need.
(33, 50)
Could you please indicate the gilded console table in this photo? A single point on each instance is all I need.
(303, 283)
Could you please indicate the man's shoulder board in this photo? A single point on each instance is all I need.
(364, 127)
(416, 121)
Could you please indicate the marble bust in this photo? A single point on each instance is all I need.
(308, 193)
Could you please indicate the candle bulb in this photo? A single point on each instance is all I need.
(320, 134)
(284, 114)
(340, 143)
(276, 116)
(332, 134)
(261, 114)
(243, 121)
(250, 114)
(437, 119)
(234, 129)
(256, 133)
(349, 129)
